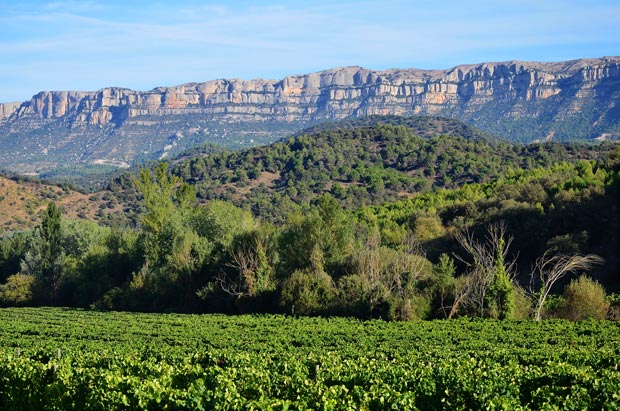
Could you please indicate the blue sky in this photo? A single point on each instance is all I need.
(88, 45)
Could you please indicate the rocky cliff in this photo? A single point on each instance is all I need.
(518, 100)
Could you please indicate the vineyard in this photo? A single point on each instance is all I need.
(60, 359)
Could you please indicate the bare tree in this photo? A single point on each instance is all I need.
(461, 295)
(389, 273)
(483, 264)
(408, 267)
(245, 260)
(548, 269)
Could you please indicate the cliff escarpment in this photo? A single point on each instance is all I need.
(522, 101)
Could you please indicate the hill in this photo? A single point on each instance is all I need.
(423, 126)
(521, 101)
(22, 201)
(362, 162)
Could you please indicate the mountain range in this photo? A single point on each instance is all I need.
(117, 127)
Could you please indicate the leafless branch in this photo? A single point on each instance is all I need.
(245, 261)
(483, 258)
(549, 268)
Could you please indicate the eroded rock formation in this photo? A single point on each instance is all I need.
(498, 97)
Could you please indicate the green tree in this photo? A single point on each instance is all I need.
(13, 247)
(248, 258)
(309, 291)
(325, 226)
(169, 204)
(45, 258)
(174, 254)
(501, 293)
(489, 289)
(443, 275)
(159, 192)
(17, 290)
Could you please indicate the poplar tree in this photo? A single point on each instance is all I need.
(45, 258)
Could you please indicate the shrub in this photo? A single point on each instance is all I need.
(554, 307)
(414, 307)
(614, 307)
(351, 298)
(17, 291)
(585, 299)
(307, 292)
(523, 305)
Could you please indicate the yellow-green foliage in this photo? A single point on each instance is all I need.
(585, 300)
(17, 290)
(522, 304)
(125, 361)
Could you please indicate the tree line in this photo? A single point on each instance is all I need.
(514, 247)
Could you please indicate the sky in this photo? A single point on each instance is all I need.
(88, 45)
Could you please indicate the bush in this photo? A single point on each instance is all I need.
(585, 299)
(351, 298)
(307, 292)
(554, 307)
(614, 307)
(17, 291)
(115, 299)
(414, 307)
(523, 305)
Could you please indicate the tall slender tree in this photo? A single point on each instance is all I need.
(45, 258)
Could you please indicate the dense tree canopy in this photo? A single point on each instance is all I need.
(310, 231)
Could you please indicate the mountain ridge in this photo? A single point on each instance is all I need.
(522, 101)
(567, 68)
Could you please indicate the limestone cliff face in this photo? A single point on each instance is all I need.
(336, 93)
(482, 94)
(8, 109)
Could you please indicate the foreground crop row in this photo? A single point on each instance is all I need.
(65, 359)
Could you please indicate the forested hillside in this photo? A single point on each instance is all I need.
(368, 220)
(383, 159)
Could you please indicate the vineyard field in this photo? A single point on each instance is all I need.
(66, 359)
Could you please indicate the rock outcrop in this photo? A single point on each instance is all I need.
(517, 100)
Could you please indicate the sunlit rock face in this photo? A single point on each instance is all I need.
(501, 98)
